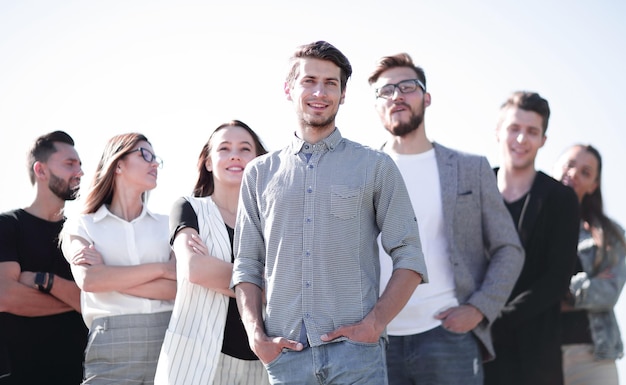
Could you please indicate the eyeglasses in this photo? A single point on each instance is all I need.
(148, 156)
(405, 87)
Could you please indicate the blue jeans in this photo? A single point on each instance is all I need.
(338, 363)
(435, 357)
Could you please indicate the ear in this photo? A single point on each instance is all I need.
(426, 99)
(343, 97)
(208, 164)
(543, 141)
(40, 170)
(287, 90)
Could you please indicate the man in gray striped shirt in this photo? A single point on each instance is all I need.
(308, 220)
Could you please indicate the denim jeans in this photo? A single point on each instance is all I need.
(435, 357)
(338, 363)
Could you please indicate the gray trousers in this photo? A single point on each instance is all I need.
(124, 349)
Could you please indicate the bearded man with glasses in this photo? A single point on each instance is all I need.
(472, 252)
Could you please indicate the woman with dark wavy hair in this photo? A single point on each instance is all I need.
(591, 336)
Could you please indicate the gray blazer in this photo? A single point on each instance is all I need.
(484, 249)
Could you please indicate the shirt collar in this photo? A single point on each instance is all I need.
(104, 212)
(328, 143)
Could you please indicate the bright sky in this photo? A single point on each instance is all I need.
(174, 70)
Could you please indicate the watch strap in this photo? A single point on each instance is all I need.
(44, 281)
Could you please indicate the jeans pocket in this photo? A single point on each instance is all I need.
(275, 360)
(452, 333)
(364, 344)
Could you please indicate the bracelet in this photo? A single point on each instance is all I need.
(49, 283)
(44, 281)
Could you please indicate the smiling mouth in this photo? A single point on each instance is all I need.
(317, 105)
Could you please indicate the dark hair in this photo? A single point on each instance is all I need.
(102, 185)
(592, 210)
(324, 51)
(529, 101)
(398, 60)
(205, 184)
(43, 147)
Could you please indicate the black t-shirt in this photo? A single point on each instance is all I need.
(235, 342)
(575, 324)
(46, 349)
(516, 208)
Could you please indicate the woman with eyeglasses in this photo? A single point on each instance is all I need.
(206, 342)
(591, 337)
(121, 259)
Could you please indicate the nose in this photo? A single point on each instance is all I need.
(520, 137)
(396, 94)
(572, 172)
(319, 90)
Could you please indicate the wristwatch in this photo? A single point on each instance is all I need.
(44, 281)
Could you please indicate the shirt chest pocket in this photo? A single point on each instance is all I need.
(344, 201)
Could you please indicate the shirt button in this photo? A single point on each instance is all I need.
(310, 166)
(307, 284)
(307, 253)
(308, 220)
(309, 190)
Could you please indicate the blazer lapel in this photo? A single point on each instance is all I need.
(448, 181)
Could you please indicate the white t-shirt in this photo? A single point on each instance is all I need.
(421, 177)
(121, 243)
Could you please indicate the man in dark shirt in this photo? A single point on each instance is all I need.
(43, 336)
(546, 215)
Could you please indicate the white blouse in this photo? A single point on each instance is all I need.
(145, 239)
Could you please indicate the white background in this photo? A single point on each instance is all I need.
(174, 70)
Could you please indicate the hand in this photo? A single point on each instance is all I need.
(87, 256)
(267, 349)
(460, 319)
(197, 246)
(566, 306)
(358, 332)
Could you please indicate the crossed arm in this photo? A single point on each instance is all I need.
(19, 295)
(149, 280)
(200, 268)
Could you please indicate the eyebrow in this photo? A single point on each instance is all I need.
(229, 142)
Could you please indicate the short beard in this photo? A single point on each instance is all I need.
(62, 189)
(403, 129)
(320, 125)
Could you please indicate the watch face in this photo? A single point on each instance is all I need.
(40, 281)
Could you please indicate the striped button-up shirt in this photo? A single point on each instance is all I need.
(309, 216)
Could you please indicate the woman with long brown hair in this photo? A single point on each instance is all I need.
(591, 336)
(121, 259)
